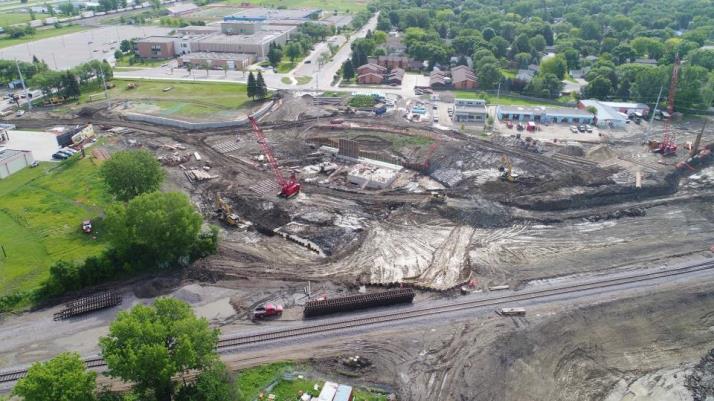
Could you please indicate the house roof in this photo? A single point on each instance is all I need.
(8, 153)
(462, 73)
(393, 57)
(372, 67)
(626, 105)
(380, 76)
(158, 39)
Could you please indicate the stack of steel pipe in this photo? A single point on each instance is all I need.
(357, 302)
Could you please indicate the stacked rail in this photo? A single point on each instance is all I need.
(357, 302)
(88, 304)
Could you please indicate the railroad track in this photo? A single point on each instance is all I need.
(228, 343)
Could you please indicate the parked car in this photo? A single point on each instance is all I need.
(581, 128)
(308, 61)
(60, 156)
(436, 119)
(509, 124)
(35, 164)
(588, 128)
(573, 129)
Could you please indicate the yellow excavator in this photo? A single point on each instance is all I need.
(506, 170)
(226, 211)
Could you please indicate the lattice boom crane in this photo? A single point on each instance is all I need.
(668, 147)
(288, 188)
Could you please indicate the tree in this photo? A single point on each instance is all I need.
(348, 71)
(71, 86)
(599, 88)
(214, 383)
(50, 10)
(275, 54)
(252, 86)
(149, 345)
(592, 110)
(557, 66)
(499, 46)
(489, 75)
(261, 90)
(32, 15)
(125, 46)
(537, 42)
(118, 55)
(130, 173)
(702, 57)
(62, 378)
(293, 51)
(156, 227)
(623, 53)
(488, 33)
(66, 8)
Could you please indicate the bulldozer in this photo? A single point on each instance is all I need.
(506, 170)
(225, 211)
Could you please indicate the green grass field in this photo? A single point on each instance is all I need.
(185, 98)
(303, 80)
(251, 381)
(491, 99)
(41, 210)
(286, 66)
(42, 34)
(7, 19)
(339, 5)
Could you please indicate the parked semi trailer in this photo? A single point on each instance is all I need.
(357, 302)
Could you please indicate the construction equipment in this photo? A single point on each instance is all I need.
(506, 170)
(668, 146)
(226, 211)
(695, 146)
(288, 188)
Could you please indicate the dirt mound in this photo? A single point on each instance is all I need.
(156, 287)
(265, 215)
(701, 381)
(600, 153)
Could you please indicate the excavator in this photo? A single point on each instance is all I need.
(226, 211)
(506, 170)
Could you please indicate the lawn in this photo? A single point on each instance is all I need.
(286, 80)
(339, 5)
(7, 19)
(252, 381)
(303, 80)
(41, 210)
(185, 98)
(286, 66)
(491, 99)
(42, 34)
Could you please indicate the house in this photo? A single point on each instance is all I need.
(416, 65)
(438, 79)
(394, 44)
(606, 116)
(12, 161)
(463, 77)
(645, 61)
(393, 61)
(544, 114)
(395, 77)
(371, 68)
(370, 78)
(629, 108)
(525, 75)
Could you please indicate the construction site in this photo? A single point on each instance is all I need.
(322, 201)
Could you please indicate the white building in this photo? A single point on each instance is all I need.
(372, 176)
(606, 116)
(12, 161)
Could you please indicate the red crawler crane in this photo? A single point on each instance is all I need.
(668, 146)
(288, 188)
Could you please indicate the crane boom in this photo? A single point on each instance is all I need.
(288, 188)
(668, 147)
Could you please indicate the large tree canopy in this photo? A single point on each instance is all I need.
(148, 345)
(62, 378)
(132, 172)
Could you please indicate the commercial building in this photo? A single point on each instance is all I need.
(629, 108)
(270, 16)
(606, 116)
(217, 61)
(157, 47)
(12, 161)
(470, 110)
(243, 37)
(544, 114)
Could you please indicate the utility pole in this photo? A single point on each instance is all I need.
(649, 125)
(498, 93)
(24, 88)
(104, 84)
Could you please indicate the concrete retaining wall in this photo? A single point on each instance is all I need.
(171, 122)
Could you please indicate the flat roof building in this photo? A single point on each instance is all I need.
(544, 114)
(231, 61)
(157, 47)
(606, 115)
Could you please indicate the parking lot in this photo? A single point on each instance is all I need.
(550, 132)
(41, 144)
(67, 51)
